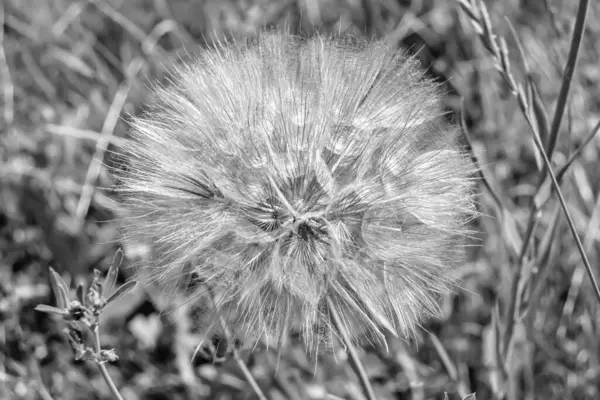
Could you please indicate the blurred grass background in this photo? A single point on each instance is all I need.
(70, 73)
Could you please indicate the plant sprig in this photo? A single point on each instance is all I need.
(545, 137)
(82, 315)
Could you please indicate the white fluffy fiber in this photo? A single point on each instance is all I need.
(285, 171)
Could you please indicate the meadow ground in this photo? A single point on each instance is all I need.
(524, 324)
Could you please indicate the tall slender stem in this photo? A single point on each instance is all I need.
(248, 375)
(102, 367)
(570, 66)
(355, 362)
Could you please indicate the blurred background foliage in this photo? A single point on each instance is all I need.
(70, 73)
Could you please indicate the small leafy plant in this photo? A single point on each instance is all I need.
(82, 315)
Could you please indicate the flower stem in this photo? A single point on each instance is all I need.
(111, 385)
(571, 65)
(248, 375)
(355, 362)
(240, 362)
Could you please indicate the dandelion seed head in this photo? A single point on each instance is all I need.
(286, 171)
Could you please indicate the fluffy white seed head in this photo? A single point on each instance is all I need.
(283, 172)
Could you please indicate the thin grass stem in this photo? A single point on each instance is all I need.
(239, 361)
(248, 375)
(111, 385)
(563, 170)
(489, 40)
(110, 122)
(484, 179)
(570, 67)
(514, 294)
(6, 82)
(355, 362)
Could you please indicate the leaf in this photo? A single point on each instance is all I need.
(539, 119)
(549, 241)
(60, 289)
(515, 37)
(50, 309)
(504, 57)
(122, 290)
(96, 284)
(81, 293)
(112, 274)
(491, 354)
(470, 397)
(488, 37)
(86, 294)
(468, 9)
(543, 193)
(548, 249)
(443, 354)
(539, 111)
(512, 235)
